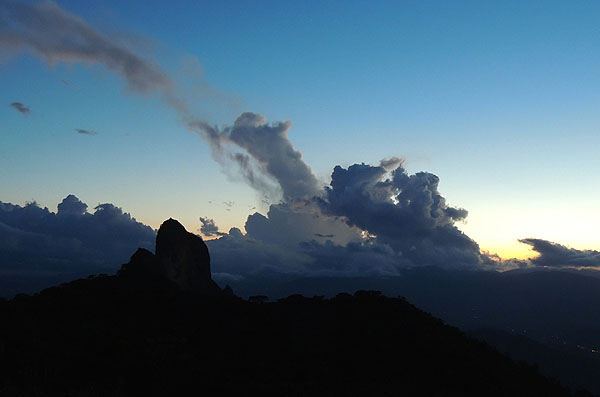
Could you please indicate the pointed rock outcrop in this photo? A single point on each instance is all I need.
(181, 257)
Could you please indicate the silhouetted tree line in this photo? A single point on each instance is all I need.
(109, 336)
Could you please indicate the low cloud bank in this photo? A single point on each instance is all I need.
(36, 240)
(557, 255)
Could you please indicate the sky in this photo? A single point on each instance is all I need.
(498, 99)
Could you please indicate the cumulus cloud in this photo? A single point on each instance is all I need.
(392, 163)
(209, 228)
(71, 205)
(34, 239)
(19, 107)
(557, 255)
(370, 221)
(406, 212)
(85, 132)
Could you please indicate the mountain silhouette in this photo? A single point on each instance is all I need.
(162, 327)
(181, 257)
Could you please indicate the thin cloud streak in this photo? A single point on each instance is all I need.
(19, 107)
(85, 132)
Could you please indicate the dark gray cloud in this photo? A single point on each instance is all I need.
(209, 228)
(19, 107)
(85, 132)
(270, 146)
(58, 36)
(406, 212)
(71, 205)
(269, 163)
(35, 240)
(557, 255)
(371, 220)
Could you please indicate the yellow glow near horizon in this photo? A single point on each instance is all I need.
(499, 231)
(496, 230)
(510, 251)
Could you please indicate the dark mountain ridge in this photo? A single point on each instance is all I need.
(545, 305)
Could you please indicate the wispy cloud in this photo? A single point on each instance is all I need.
(85, 132)
(19, 107)
(58, 36)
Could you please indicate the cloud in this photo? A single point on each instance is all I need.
(269, 163)
(392, 163)
(238, 254)
(371, 219)
(19, 107)
(34, 239)
(58, 36)
(270, 146)
(406, 212)
(71, 205)
(208, 228)
(556, 255)
(290, 224)
(85, 132)
(260, 153)
(294, 252)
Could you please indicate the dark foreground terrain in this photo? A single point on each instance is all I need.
(110, 335)
(162, 326)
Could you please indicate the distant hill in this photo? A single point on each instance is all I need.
(161, 326)
(110, 335)
(549, 306)
(550, 319)
(574, 368)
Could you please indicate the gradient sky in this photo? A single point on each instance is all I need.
(501, 100)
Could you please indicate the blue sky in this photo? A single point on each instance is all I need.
(499, 99)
